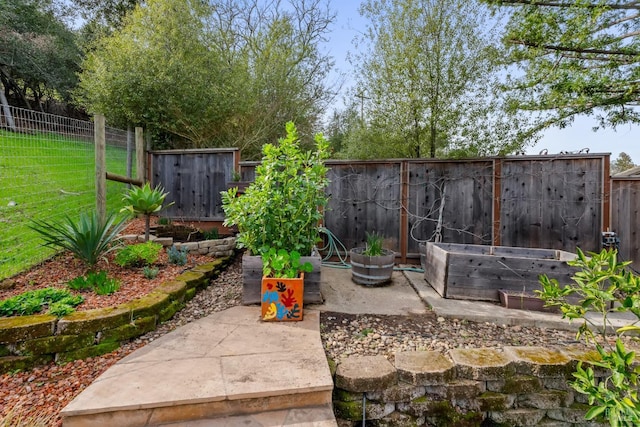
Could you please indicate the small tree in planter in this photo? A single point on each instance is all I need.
(281, 208)
(373, 264)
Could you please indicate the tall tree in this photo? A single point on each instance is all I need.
(227, 73)
(576, 57)
(428, 79)
(622, 163)
(39, 57)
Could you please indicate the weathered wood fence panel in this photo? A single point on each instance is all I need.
(466, 207)
(552, 203)
(625, 217)
(194, 180)
(364, 197)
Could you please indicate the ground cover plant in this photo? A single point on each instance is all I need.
(58, 301)
(45, 176)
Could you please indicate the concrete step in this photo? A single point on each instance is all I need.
(316, 416)
(228, 364)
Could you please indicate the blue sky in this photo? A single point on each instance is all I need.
(576, 137)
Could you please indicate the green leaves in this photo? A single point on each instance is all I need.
(144, 200)
(280, 263)
(281, 208)
(577, 57)
(602, 285)
(88, 238)
(59, 301)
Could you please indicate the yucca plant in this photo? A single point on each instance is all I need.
(146, 201)
(88, 238)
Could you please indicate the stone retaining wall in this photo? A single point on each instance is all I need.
(515, 386)
(27, 341)
(216, 248)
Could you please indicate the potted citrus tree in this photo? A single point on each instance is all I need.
(372, 265)
(281, 209)
(283, 285)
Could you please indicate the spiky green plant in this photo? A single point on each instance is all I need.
(146, 201)
(88, 237)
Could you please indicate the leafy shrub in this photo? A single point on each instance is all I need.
(280, 263)
(140, 254)
(603, 286)
(88, 238)
(280, 209)
(32, 302)
(79, 283)
(177, 256)
(150, 272)
(107, 287)
(164, 221)
(98, 281)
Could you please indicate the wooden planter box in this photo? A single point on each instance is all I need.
(282, 299)
(478, 272)
(524, 301)
(252, 279)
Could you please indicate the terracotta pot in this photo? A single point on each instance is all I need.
(282, 298)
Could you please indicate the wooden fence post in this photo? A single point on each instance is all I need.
(101, 166)
(140, 172)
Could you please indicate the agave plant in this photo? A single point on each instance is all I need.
(146, 201)
(88, 238)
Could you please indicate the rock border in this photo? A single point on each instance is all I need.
(29, 341)
(515, 386)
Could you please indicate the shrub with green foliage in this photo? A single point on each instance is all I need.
(138, 255)
(212, 234)
(603, 286)
(59, 301)
(88, 238)
(281, 208)
(177, 256)
(98, 281)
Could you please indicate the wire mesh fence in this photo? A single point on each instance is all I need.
(47, 171)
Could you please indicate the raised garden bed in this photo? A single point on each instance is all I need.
(478, 272)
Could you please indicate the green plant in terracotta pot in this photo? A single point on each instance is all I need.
(282, 208)
(282, 287)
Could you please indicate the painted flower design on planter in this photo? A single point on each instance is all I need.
(282, 297)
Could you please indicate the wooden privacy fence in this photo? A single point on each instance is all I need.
(194, 179)
(553, 201)
(625, 216)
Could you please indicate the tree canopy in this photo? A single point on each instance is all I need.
(216, 74)
(575, 57)
(39, 57)
(622, 163)
(427, 77)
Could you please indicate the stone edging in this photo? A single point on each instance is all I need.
(518, 386)
(28, 341)
(216, 248)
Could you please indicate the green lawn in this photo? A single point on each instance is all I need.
(45, 176)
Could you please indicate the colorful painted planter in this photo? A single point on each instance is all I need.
(282, 298)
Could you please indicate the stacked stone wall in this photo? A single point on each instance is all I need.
(513, 386)
(28, 341)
